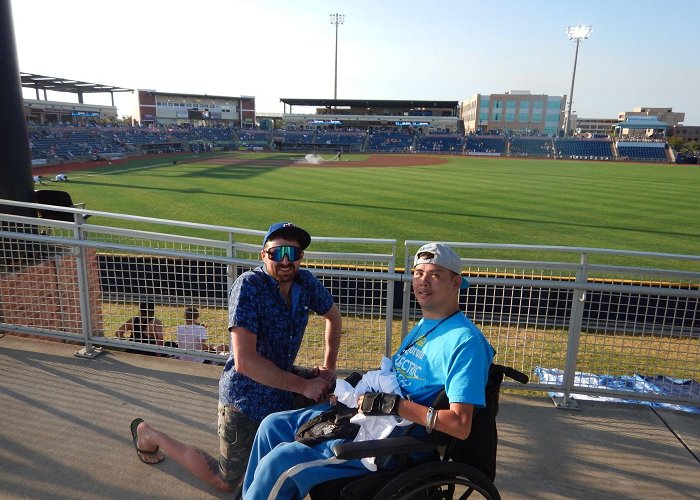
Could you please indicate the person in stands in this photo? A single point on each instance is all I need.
(145, 327)
(192, 335)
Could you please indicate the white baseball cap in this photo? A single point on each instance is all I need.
(443, 256)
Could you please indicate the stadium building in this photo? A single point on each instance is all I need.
(516, 124)
(392, 126)
(193, 110)
(648, 122)
(593, 127)
(337, 114)
(516, 112)
(666, 115)
(690, 133)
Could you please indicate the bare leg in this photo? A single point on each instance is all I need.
(195, 460)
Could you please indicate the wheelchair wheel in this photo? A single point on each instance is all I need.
(439, 481)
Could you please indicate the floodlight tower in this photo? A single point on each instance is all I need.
(336, 19)
(575, 33)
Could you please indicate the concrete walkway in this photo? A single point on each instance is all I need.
(65, 433)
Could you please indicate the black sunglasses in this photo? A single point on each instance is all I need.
(278, 254)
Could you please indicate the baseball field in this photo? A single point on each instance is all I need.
(629, 206)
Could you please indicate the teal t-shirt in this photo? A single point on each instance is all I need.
(454, 355)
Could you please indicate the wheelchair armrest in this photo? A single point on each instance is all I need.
(401, 445)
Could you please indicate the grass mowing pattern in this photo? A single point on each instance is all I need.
(495, 200)
(573, 203)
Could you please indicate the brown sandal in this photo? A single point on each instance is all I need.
(143, 453)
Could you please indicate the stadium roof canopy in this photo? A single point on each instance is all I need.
(370, 103)
(642, 123)
(57, 84)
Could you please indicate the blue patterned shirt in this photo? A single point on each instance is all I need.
(255, 303)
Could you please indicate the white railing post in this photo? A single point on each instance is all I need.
(390, 304)
(578, 300)
(88, 351)
(406, 304)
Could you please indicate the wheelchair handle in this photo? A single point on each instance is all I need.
(516, 375)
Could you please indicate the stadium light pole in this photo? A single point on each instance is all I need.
(336, 19)
(575, 33)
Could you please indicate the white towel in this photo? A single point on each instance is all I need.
(374, 427)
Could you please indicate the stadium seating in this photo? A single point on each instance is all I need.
(583, 149)
(486, 144)
(211, 134)
(340, 138)
(440, 143)
(252, 138)
(642, 151)
(77, 144)
(297, 136)
(70, 143)
(137, 136)
(389, 142)
(539, 147)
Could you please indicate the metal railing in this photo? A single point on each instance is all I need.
(577, 310)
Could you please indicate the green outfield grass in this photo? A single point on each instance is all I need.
(489, 200)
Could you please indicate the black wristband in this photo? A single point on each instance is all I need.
(380, 403)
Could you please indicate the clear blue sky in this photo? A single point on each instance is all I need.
(640, 52)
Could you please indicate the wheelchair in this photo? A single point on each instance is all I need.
(449, 468)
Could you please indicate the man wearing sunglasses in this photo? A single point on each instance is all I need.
(269, 308)
(444, 350)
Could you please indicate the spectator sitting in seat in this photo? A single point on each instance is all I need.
(192, 335)
(445, 350)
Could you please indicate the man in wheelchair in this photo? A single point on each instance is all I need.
(444, 351)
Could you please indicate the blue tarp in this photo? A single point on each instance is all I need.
(642, 384)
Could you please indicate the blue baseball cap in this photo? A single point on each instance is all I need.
(289, 231)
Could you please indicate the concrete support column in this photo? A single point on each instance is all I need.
(15, 159)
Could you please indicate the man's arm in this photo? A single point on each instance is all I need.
(251, 364)
(334, 328)
(155, 328)
(126, 327)
(455, 421)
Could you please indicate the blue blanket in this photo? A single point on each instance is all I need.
(658, 384)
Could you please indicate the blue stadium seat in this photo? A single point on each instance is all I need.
(486, 144)
(389, 142)
(539, 147)
(583, 149)
(439, 143)
(642, 151)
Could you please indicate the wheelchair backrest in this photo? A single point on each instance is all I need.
(58, 198)
(479, 449)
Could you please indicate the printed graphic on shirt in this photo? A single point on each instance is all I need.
(409, 365)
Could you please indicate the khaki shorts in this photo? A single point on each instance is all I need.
(236, 434)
